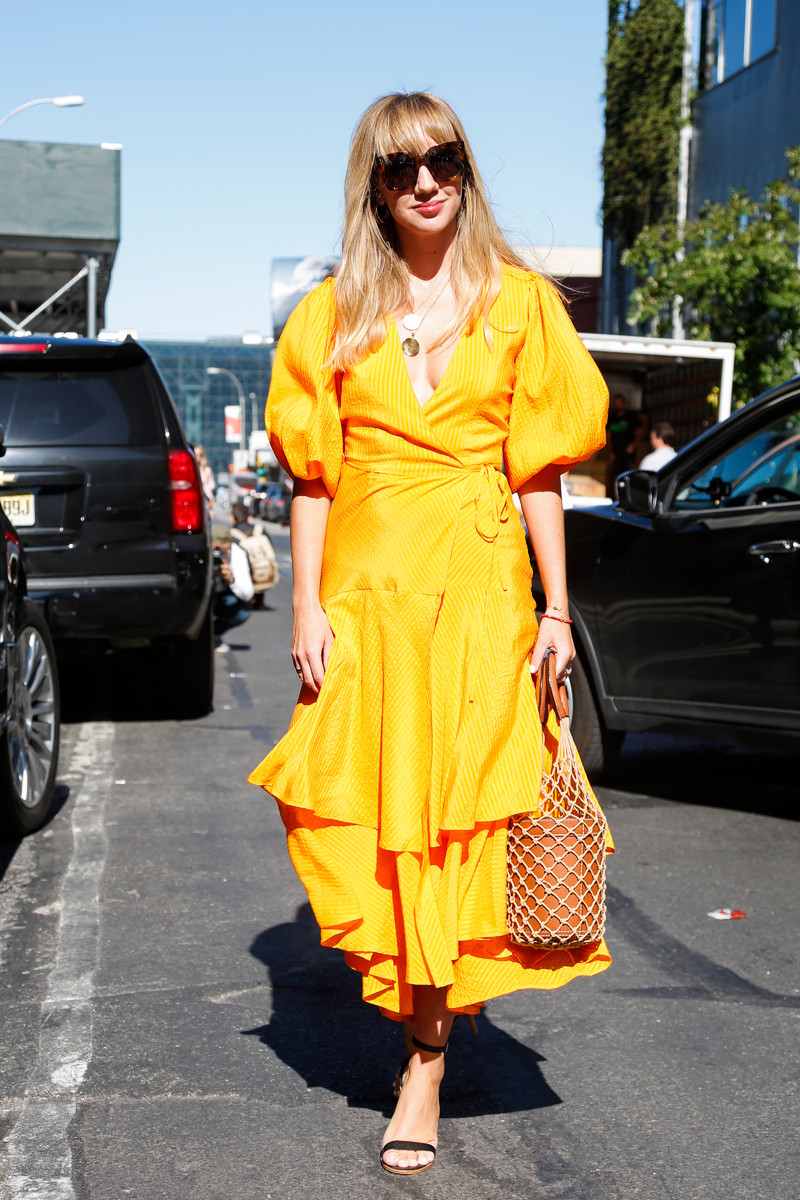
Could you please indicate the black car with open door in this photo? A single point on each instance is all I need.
(104, 491)
(685, 592)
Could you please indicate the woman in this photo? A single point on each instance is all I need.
(400, 391)
(207, 479)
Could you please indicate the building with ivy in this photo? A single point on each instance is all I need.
(702, 97)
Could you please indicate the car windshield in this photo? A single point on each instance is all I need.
(87, 407)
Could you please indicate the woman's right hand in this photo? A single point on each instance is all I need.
(312, 638)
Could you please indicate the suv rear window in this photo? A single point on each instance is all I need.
(94, 406)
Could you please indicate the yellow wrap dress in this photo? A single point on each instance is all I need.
(397, 780)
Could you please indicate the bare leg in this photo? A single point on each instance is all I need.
(416, 1116)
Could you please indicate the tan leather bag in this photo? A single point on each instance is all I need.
(556, 878)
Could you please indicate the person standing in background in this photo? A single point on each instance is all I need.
(640, 440)
(662, 439)
(207, 480)
(620, 431)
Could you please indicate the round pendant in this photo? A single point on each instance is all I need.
(411, 347)
(411, 322)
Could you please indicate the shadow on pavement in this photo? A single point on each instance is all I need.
(755, 776)
(10, 842)
(332, 1040)
(98, 684)
(9, 845)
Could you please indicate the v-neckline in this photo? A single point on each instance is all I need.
(423, 407)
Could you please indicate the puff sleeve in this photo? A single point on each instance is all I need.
(559, 404)
(302, 414)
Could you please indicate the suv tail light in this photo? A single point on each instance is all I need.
(24, 347)
(186, 493)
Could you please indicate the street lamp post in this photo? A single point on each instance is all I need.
(242, 401)
(58, 101)
(253, 412)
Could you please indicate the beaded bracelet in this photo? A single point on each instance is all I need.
(553, 617)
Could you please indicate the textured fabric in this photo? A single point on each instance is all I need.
(396, 782)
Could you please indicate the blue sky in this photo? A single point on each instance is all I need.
(235, 121)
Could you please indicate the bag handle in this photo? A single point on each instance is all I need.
(550, 693)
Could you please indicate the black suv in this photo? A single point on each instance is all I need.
(97, 478)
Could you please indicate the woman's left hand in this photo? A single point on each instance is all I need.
(556, 636)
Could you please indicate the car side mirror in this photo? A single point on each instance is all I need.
(2, 441)
(636, 491)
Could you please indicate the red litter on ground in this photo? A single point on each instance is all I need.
(728, 914)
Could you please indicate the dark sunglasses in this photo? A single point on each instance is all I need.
(399, 171)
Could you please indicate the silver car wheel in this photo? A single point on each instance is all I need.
(31, 731)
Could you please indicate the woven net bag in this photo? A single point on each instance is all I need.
(556, 876)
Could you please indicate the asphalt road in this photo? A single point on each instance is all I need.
(170, 1027)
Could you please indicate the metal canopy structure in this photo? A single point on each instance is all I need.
(59, 233)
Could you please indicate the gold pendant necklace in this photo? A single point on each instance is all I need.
(412, 321)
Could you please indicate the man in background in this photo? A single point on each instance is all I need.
(620, 434)
(662, 440)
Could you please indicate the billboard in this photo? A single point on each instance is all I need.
(291, 279)
(233, 424)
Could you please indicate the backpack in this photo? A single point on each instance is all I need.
(260, 556)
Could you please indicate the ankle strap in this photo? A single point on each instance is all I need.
(427, 1047)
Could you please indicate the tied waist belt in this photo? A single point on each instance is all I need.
(492, 494)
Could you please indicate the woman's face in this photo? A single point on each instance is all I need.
(426, 208)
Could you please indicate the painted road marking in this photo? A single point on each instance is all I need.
(38, 1148)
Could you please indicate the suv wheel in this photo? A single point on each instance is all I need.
(598, 747)
(189, 672)
(30, 740)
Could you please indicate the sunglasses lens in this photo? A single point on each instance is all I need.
(445, 163)
(399, 172)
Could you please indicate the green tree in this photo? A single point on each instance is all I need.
(737, 276)
(642, 115)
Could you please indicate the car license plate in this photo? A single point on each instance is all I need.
(19, 508)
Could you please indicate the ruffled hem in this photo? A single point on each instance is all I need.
(483, 971)
(433, 919)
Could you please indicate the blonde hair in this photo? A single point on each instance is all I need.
(373, 279)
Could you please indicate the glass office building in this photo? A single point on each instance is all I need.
(201, 398)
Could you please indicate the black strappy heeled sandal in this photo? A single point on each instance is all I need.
(427, 1147)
